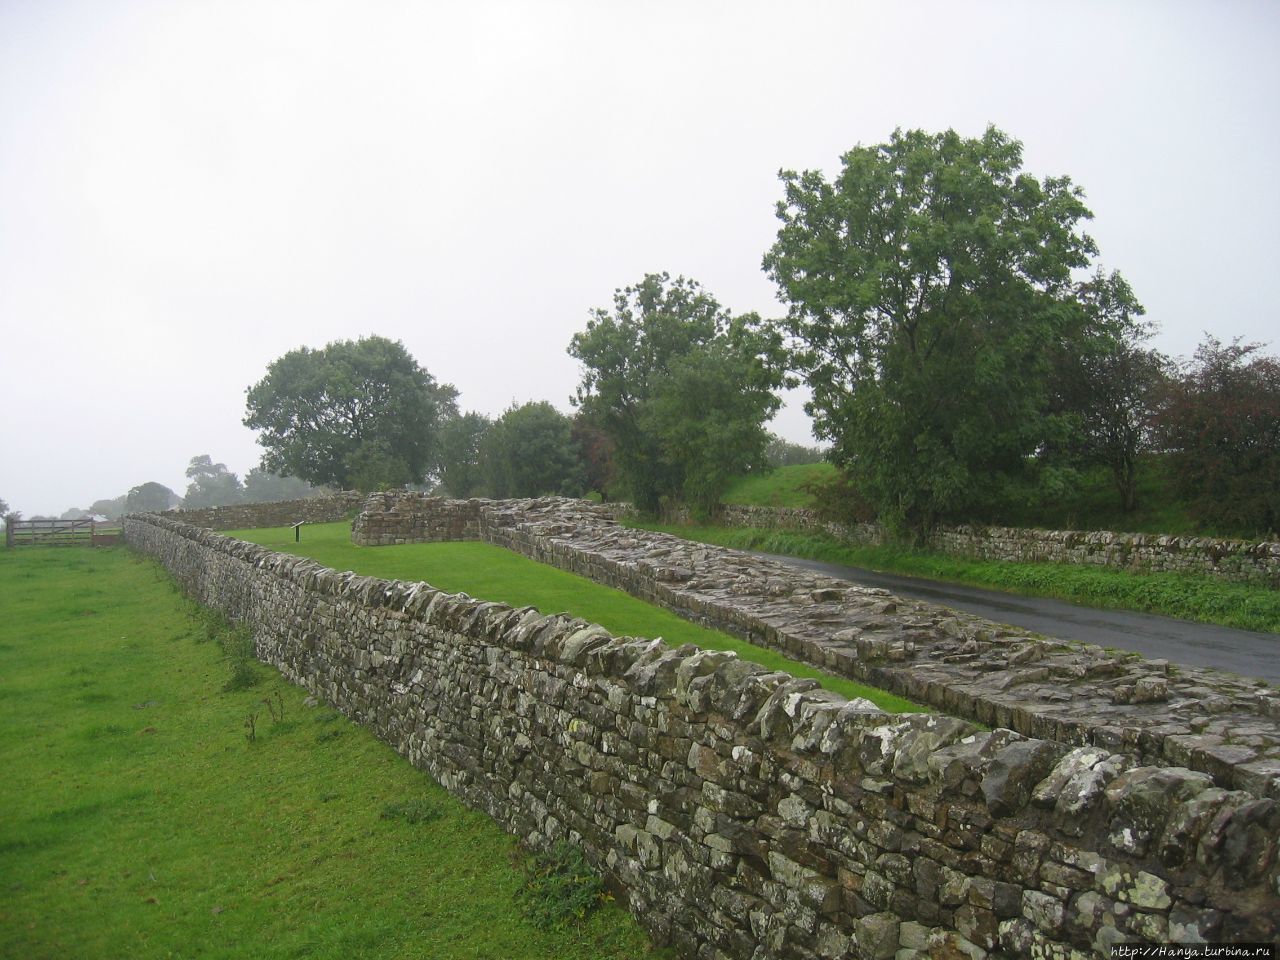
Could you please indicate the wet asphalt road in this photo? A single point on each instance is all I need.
(1181, 641)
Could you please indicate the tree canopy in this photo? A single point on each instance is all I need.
(528, 452)
(357, 413)
(1107, 385)
(929, 288)
(212, 484)
(150, 497)
(1220, 420)
(461, 472)
(681, 386)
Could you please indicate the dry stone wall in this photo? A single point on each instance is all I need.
(1151, 710)
(281, 513)
(745, 813)
(1245, 561)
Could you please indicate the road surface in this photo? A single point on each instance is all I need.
(1244, 652)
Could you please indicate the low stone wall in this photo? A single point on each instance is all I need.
(1150, 710)
(281, 513)
(746, 813)
(1237, 560)
(1245, 561)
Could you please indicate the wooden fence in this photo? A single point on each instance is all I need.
(21, 533)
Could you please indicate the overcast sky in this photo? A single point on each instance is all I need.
(190, 189)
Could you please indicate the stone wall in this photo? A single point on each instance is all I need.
(745, 813)
(1247, 561)
(281, 513)
(1151, 710)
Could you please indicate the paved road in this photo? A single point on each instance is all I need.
(1181, 641)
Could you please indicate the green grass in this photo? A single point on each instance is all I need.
(139, 821)
(492, 573)
(1201, 598)
(780, 487)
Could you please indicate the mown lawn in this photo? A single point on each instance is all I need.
(492, 573)
(139, 821)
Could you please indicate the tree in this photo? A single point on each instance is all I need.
(262, 486)
(112, 508)
(1108, 384)
(680, 386)
(150, 497)
(356, 413)
(929, 286)
(784, 453)
(1221, 423)
(461, 472)
(212, 484)
(528, 452)
(596, 453)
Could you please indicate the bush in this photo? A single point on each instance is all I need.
(837, 500)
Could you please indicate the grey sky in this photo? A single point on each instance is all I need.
(189, 190)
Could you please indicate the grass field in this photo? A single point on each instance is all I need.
(1201, 598)
(139, 821)
(492, 573)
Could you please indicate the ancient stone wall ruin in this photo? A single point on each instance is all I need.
(748, 814)
(1079, 694)
(1244, 561)
(281, 513)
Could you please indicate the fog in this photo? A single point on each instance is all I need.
(189, 190)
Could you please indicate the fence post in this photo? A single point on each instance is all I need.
(8, 532)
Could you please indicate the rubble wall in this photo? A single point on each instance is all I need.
(1151, 710)
(1243, 561)
(745, 813)
(281, 513)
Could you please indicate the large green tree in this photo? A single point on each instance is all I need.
(461, 472)
(1107, 385)
(358, 413)
(682, 387)
(528, 452)
(212, 484)
(150, 497)
(929, 289)
(1220, 423)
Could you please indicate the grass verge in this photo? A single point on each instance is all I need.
(1203, 599)
(492, 573)
(144, 818)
